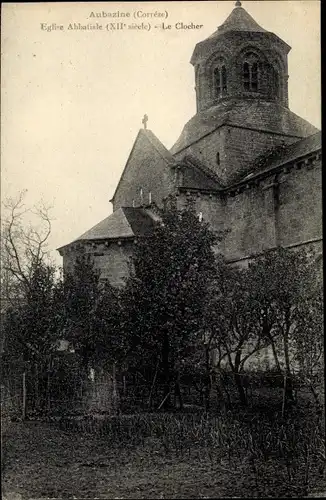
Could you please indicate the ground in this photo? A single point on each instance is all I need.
(47, 462)
(43, 461)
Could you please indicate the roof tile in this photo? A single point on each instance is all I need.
(251, 113)
(126, 222)
(289, 154)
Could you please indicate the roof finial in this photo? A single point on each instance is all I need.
(238, 3)
(144, 121)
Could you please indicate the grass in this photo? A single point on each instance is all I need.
(251, 452)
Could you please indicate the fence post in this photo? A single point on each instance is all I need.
(115, 396)
(284, 392)
(24, 397)
(153, 384)
(48, 386)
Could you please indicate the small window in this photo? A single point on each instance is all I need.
(250, 75)
(220, 81)
(224, 82)
(254, 77)
(246, 76)
(217, 78)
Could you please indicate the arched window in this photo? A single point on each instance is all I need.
(246, 76)
(217, 81)
(224, 81)
(250, 73)
(254, 77)
(220, 81)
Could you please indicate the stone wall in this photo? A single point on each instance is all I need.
(255, 220)
(300, 209)
(230, 50)
(111, 259)
(237, 147)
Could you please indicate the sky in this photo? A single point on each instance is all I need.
(73, 100)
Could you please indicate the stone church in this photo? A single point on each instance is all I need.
(251, 166)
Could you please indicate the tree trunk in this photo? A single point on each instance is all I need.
(37, 388)
(178, 392)
(277, 363)
(48, 385)
(208, 380)
(218, 384)
(289, 385)
(237, 378)
(166, 371)
(24, 397)
(115, 395)
(153, 384)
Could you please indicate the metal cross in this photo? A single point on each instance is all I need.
(144, 121)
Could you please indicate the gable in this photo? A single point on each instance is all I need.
(147, 176)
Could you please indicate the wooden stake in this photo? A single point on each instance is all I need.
(48, 387)
(24, 397)
(153, 384)
(284, 391)
(115, 391)
(166, 397)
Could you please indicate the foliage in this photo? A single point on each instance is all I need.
(91, 315)
(164, 296)
(277, 303)
(288, 293)
(30, 290)
(31, 326)
(232, 320)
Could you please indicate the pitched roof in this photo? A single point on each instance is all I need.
(249, 113)
(155, 144)
(196, 175)
(289, 154)
(126, 222)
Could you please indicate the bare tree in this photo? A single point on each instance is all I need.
(24, 235)
(31, 295)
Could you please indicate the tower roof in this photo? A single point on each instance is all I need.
(239, 20)
(261, 115)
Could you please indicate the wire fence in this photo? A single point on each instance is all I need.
(63, 388)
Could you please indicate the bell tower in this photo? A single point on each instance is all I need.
(240, 60)
(241, 74)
